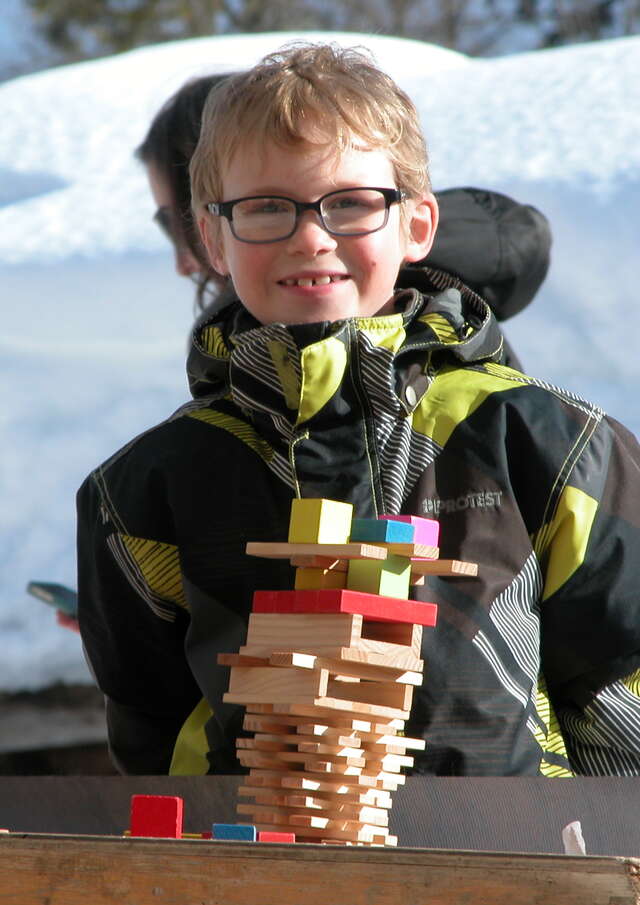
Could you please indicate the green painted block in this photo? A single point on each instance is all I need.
(318, 521)
(388, 577)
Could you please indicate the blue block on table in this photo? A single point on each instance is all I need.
(372, 530)
(241, 832)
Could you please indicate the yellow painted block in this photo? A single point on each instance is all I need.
(313, 579)
(388, 577)
(318, 521)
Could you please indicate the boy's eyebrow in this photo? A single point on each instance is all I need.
(271, 191)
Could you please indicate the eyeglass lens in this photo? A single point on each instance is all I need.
(347, 212)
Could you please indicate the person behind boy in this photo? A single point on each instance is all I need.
(311, 190)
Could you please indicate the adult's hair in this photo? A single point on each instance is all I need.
(168, 146)
(319, 95)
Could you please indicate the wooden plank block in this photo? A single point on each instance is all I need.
(345, 667)
(427, 530)
(322, 706)
(269, 631)
(341, 818)
(372, 607)
(157, 816)
(270, 684)
(286, 723)
(298, 799)
(443, 567)
(320, 562)
(313, 782)
(386, 694)
(319, 521)
(108, 870)
(295, 739)
(421, 551)
(300, 754)
(241, 660)
(278, 550)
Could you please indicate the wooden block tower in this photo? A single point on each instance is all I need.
(327, 675)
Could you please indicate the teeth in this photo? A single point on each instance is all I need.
(312, 281)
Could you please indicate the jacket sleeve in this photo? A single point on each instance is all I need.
(590, 552)
(133, 638)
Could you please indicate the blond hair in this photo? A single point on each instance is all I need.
(309, 95)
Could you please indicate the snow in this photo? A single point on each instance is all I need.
(95, 320)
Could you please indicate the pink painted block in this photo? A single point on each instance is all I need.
(427, 530)
(328, 600)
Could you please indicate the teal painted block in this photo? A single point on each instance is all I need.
(240, 832)
(373, 530)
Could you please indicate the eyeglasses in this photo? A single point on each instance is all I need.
(259, 219)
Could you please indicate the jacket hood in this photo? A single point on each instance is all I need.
(435, 315)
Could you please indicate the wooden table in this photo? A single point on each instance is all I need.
(464, 842)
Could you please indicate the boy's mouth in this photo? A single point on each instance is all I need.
(305, 282)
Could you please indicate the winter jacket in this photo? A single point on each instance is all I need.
(534, 665)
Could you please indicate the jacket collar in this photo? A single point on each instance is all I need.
(290, 372)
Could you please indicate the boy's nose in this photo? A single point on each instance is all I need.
(310, 236)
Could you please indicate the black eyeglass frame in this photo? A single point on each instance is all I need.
(225, 209)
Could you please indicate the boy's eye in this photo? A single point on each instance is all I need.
(264, 206)
(346, 202)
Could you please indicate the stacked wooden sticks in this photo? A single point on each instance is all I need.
(328, 671)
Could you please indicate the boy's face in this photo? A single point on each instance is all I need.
(314, 276)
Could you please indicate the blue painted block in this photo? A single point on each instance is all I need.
(373, 530)
(241, 832)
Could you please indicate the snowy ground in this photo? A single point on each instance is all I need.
(94, 321)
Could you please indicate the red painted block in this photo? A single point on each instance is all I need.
(266, 836)
(427, 530)
(159, 816)
(329, 600)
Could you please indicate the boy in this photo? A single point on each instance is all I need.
(342, 373)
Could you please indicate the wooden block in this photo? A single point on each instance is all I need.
(444, 567)
(388, 577)
(321, 706)
(373, 530)
(345, 667)
(268, 632)
(318, 521)
(269, 778)
(328, 801)
(320, 562)
(420, 551)
(312, 579)
(241, 832)
(373, 607)
(241, 660)
(427, 530)
(268, 550)
(157, 816)
(266, 836)
(387, 694)
(270, 684)
(364, 834)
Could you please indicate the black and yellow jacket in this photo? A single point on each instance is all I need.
(534, 666)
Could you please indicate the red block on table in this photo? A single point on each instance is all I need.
(266, 836)
(329, 600)
(427, 530)
(159, 816)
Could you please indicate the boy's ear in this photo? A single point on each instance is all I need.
(212, 240)
(422, 227)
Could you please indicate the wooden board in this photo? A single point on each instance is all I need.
(72, 870)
